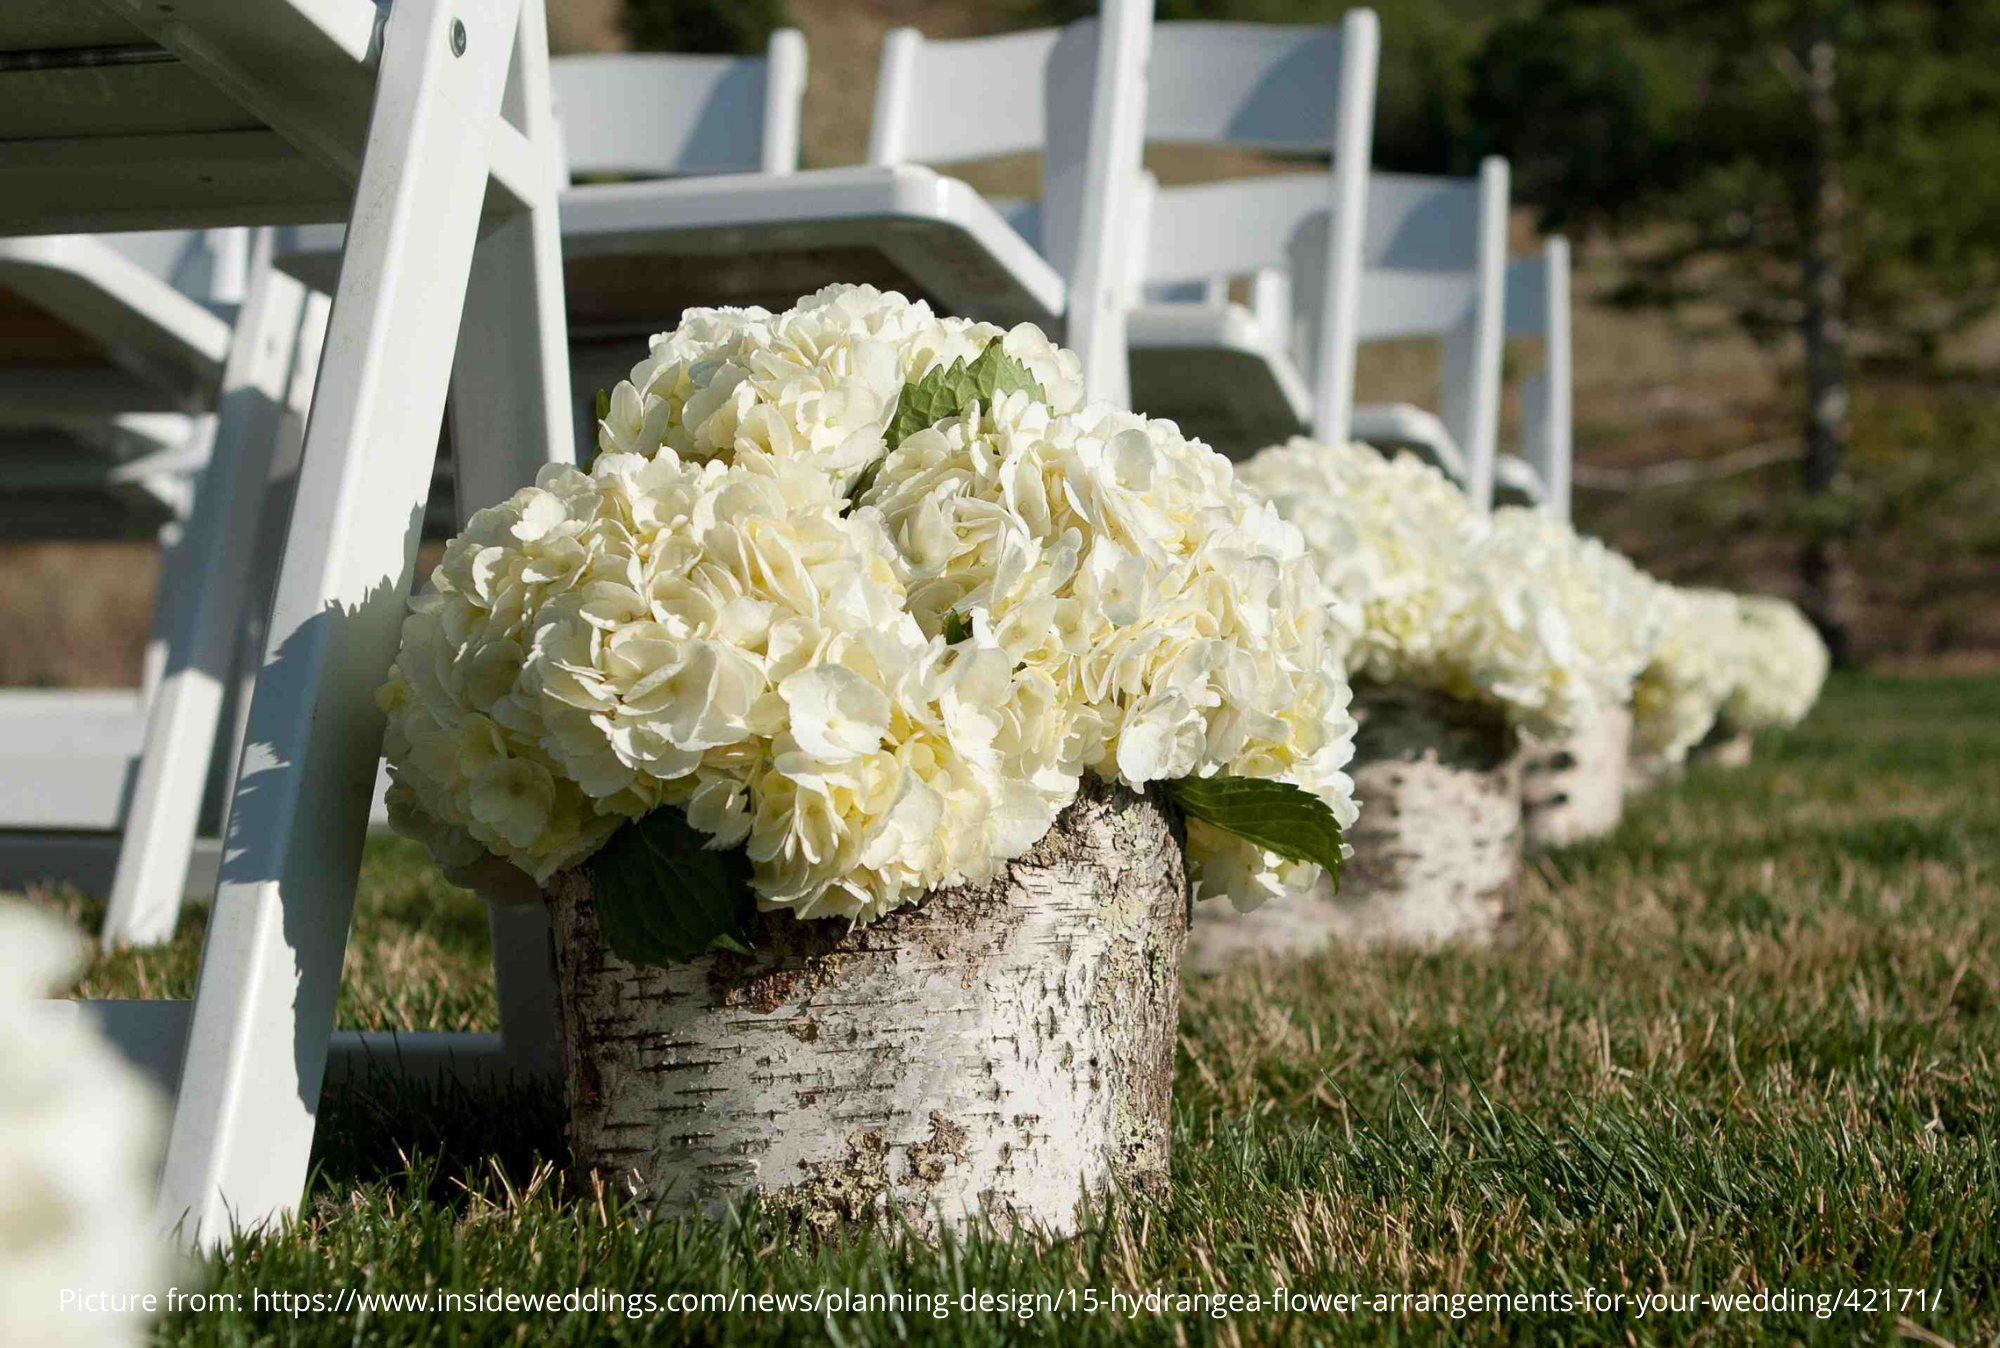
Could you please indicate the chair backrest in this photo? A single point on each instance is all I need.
(1449, 279)
(1432, 262)
(1073, 94)
(945, 101)
(1421, 259)
(1276, 89)
(1538, 305)
(660, 116)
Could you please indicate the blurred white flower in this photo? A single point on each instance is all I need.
(80, 1137)
(1514, 610)
(1691, 674)
(1783, 663)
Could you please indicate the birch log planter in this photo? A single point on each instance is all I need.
(1436, 848)
(998, 1049)
(1574, 788)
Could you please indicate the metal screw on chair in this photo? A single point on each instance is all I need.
(458, 37)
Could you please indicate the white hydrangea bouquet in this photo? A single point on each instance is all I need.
(1781, 665)
(1692, 672)
(1745, 662)
(80, 1135)
(849, 600)
(1512, 610)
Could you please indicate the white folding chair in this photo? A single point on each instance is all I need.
(1436, 267)
(627, 115)
(200, 701)
(413, 125)
(1538, 307)
(635, 253)
(667, 115)
(1075, 96)
(659, 116)
(1431, 264)
(111, 346)
(1220, 369)
(114, 348)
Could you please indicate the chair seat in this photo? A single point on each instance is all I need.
(1212, 370)
(118, 479)
(636, 254)
(72, 754)
(1406, 426)
(108, 303)
(101, 129)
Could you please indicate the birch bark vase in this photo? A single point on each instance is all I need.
(1574, 788)
(1436, 848)
(999, 1049)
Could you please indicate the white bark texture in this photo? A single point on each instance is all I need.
(1436, 848)
(998, 1049)
(1574, 788)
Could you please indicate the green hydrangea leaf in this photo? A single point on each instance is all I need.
(948, 392)
(662, 896)
(956, 628)
(603, 404)
(1276, 816)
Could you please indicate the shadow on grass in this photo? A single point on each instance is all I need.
(375, 1131)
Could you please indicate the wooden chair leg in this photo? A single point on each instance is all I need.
(257, 1047)
(212, 573)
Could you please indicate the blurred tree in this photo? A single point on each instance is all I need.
(717, 26)
(1823, 168)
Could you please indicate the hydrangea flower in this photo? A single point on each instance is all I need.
(1692, 672)
(80, 1132)
(1782, 665)
(881, 672)
(1512, 610)
(1571, 624)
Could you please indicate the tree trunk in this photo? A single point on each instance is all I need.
(1435, 850)
(1824, 565)
(1573, 789)
(1000, 1048)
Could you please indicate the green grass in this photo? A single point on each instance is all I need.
(1748, 1042)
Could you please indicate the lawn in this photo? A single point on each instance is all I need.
(1750, 1043)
